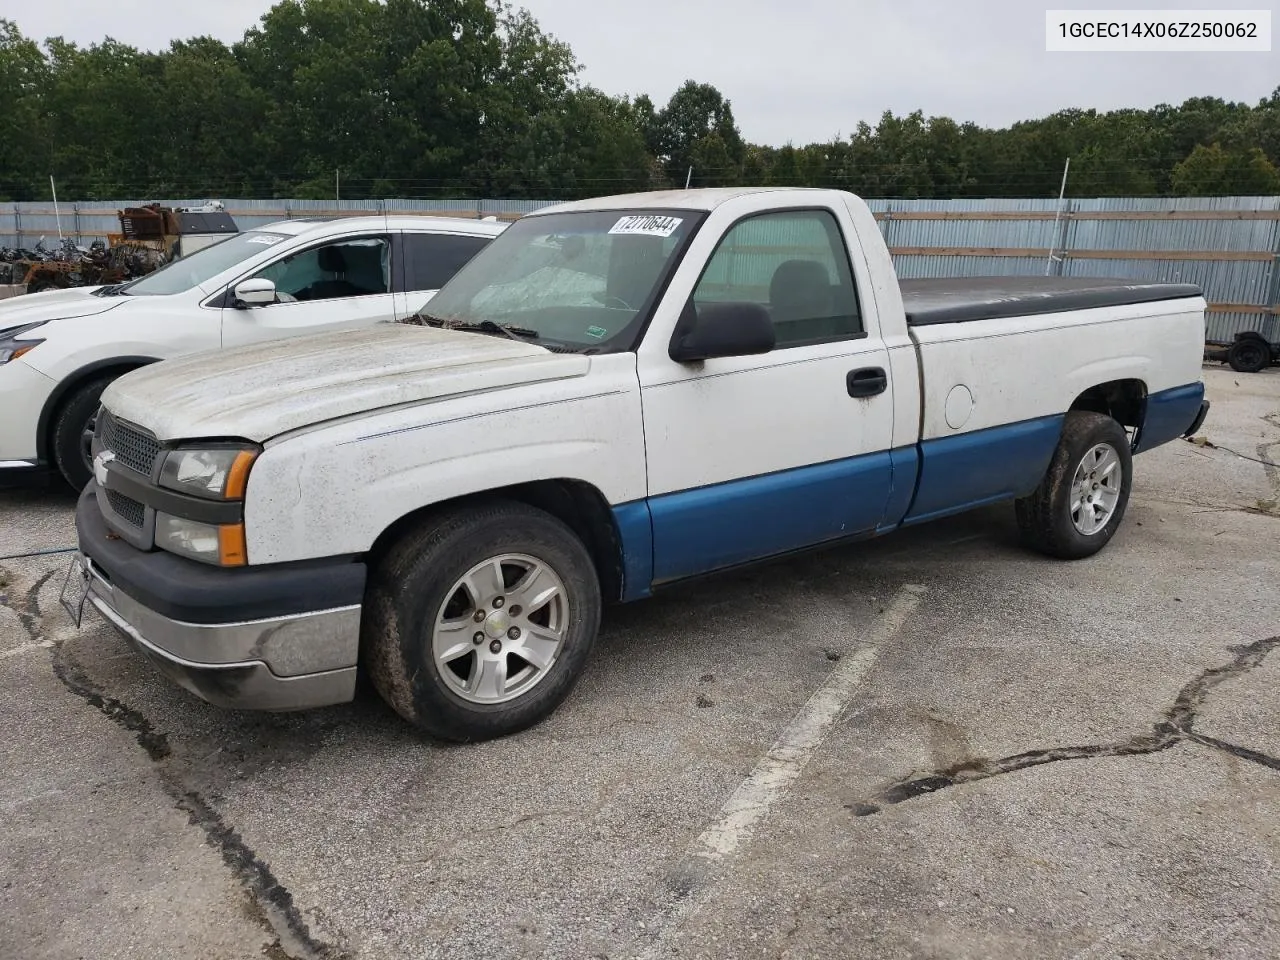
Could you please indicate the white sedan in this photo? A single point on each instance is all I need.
(60, 349)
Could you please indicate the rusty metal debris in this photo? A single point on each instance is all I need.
(149, 237)
(71, 265)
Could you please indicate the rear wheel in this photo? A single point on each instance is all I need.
(73, 432)
(1081, 501)
(478, 624)
(1249, 356)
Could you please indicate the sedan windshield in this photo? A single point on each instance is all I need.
(576, 280)
(202, 266)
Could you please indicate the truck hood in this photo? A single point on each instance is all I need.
(54, 305)
(264, 390)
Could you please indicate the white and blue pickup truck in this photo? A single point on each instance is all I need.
(615, 395)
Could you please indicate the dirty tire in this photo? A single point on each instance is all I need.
(1249, 356)
(410, 586)
(1045, 518)
(70, 453)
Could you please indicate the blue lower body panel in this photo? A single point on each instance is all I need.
(710, 528)
(684, 534)
(635, 530)
(985, 466)
(1170, 414)
(906, 471)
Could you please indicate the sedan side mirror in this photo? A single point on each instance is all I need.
(255, 293)
(726, 330)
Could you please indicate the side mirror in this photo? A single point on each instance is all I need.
(255, 293)
(726, 330)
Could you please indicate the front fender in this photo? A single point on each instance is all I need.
(333, 490)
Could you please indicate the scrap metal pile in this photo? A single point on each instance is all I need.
(150, 237)
(72, 265)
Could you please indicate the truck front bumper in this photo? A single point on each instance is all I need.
(273, 638)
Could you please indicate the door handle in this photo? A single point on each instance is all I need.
(867, 382)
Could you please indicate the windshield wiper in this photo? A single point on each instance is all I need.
(111, 290)
(521, 334)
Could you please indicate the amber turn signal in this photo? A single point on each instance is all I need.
(231, 545)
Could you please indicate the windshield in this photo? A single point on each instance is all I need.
(203, 265)
(578, 280)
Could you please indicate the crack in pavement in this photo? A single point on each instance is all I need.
(1174, 728)
(1244, 753)
(29, 610)
(1264, 452)
(278, 912)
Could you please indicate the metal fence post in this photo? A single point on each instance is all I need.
(1271, 320)
(887, 229)
(1065, 237)
(17, 225)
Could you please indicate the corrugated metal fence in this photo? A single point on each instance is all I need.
(1229, 246)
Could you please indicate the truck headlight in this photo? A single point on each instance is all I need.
(11, 348)
(222, 545)
(214, 473)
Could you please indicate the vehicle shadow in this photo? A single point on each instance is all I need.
(696, 622)
(685, 623)
(54, 494)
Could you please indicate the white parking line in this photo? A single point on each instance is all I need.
(786, 760)
(780, 767)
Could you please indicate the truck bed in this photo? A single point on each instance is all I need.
(962, 299)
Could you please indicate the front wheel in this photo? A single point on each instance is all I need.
(73, 432)
(478, 624)
(1081, 501)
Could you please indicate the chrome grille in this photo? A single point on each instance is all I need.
(126, 508)
(133, 448)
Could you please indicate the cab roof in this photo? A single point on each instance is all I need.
(704, 199)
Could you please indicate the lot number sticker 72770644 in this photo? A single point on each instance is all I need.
(651, 226)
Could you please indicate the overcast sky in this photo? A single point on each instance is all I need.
(798, 70)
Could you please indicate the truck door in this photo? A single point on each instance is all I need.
(749, 457)
(337, 284)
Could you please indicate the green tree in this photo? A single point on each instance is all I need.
(695, 112)
(471, 97)
(104, 106)
(605, 145)
(213, 123)
(524, 105)
(1213, 171)
(23, 126)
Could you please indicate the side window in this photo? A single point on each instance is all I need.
(795, 265)
(357, 267)
(433, 258)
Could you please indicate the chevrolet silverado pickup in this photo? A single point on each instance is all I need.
(615, 395)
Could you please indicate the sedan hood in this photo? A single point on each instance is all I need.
(261, 391)
(54, 305)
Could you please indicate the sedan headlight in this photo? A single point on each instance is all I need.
(215, 473)
(11, 348)
(222, 545)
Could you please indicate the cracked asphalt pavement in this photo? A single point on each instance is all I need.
(933, 745)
